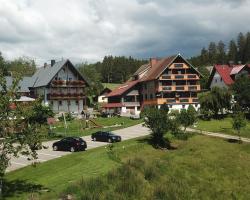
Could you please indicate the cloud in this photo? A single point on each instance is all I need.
(88, 30)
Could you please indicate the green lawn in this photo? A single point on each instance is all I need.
(75, 127)
(222, 126)
(200, 168)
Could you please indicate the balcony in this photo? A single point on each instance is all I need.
(61, 96)
(180, 88)
(179, 77)
(64, 83)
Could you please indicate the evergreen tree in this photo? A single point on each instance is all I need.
(241, 42)
(221, 57)
(212, 53)
(246, 56)
(232, 53)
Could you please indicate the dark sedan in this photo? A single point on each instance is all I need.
(70, 144)
(105, 137)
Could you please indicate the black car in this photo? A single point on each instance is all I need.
(70, 144)
(105, 137)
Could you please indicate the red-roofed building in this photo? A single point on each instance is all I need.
(225, 75)
(171, 80)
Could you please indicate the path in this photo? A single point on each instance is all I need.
(220, 135)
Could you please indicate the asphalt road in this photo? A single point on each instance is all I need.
(48, 154)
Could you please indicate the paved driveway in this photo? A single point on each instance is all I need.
(48, 154)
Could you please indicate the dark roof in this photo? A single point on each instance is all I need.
(23, 84)
(123, 88)
(44, 75)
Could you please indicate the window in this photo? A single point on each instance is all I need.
(196, 105)
(56, 78)
(178, 65)
(77, 102)
(69, 103)
(170, 106)
(151, 96)
(60, 103)
(183, 106)
(64, 69)
(70, 79)
(145, 86)
(221, 79)
(215, 80)
(146, 96)
(59, 78)
(51, 102)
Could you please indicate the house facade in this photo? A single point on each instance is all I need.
(225, 75)
(60, 85)
(171, 80)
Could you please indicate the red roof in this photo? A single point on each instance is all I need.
(226, 70)
(112, 105)
(122, 88)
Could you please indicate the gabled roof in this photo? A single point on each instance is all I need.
(123, 88)
(23, 84)
(224, 71)
(156, 70)
(44, 75)
(236, 69)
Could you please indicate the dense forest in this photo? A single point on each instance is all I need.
(237, 51)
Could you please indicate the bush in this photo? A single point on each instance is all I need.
(68, 117)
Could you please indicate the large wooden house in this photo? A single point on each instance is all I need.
(171, 80)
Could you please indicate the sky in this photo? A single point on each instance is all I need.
(87, 30)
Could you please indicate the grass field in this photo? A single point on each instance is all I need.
(200, 168)
(75, 127)
(222, 126)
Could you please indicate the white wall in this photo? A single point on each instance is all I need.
(217, 81)
(73, 107)
(102, 99)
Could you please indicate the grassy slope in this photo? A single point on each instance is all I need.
(75, 126)
(201, 168)
(222, 126)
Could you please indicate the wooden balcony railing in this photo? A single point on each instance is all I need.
(72, 83)
(65, 96)
(180, 88)
(161, 101)
(179, 77)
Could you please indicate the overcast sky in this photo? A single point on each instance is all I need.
(87, 30)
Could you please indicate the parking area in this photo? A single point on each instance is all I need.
(48, 153)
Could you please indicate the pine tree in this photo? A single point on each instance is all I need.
(232, 53)
(221, 57)
(212, 52)
(241, 42)
(246, 57)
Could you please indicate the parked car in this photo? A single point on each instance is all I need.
(70, 144)
(105, 137)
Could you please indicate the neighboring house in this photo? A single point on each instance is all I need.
(172, 81)
(124, 99)
(102, 97)
(59, 84)
(23, 88)
(225, 75)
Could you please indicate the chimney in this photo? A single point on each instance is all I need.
(52, 62)
(153, 62)
(45, 65)
(231, 63)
